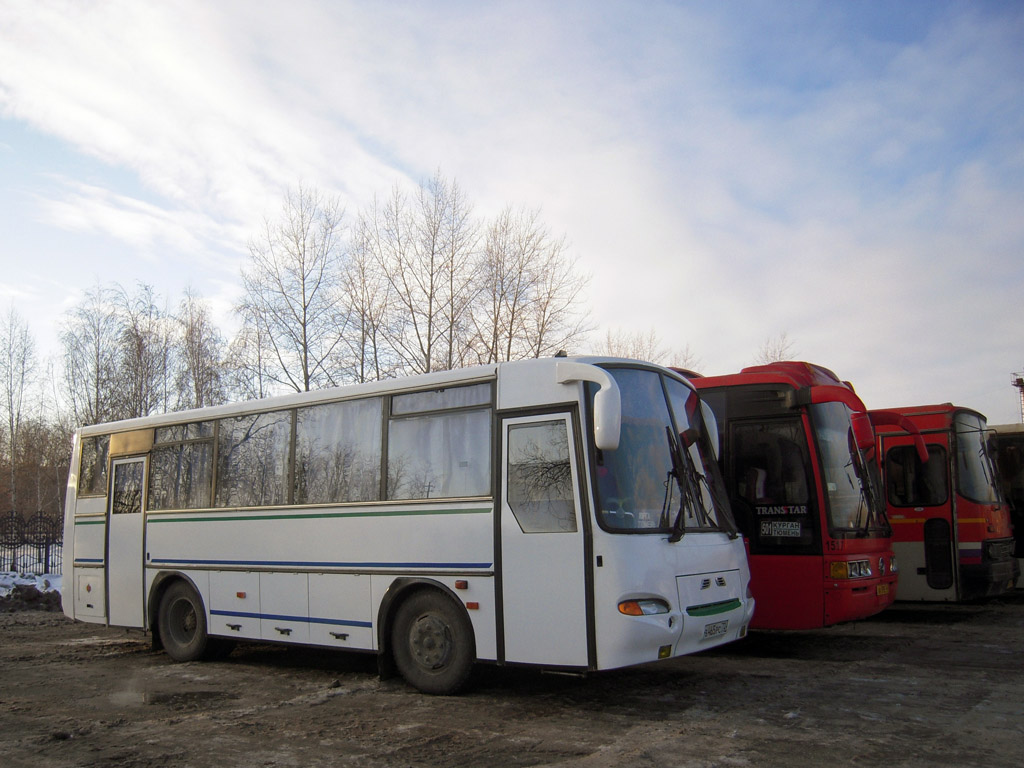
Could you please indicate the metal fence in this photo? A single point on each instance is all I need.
(31, 546)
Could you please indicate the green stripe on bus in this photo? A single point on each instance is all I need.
(91, 522)
(314, 516)
(710, 609)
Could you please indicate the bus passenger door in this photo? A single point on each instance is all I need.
(920, 507)
(125, 589)
(543, 584)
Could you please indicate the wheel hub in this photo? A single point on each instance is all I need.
(430, 641)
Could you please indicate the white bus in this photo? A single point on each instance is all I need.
(563, 513)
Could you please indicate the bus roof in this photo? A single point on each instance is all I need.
(937, 416)
(796, 374)
(1007, 429)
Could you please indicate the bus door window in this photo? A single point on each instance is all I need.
(770, 494)
(127, 495)
(540, 492)
(911, 483)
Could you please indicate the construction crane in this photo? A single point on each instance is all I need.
(1017, 379)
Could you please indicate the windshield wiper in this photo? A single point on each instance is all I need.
(667, 502)
(678, 528)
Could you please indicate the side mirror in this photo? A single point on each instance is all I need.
(607, 401)
(863, 432)
(711, 426)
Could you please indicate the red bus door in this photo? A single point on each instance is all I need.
(922, 512)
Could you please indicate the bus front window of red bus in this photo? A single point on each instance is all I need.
(849, 509)
(975, 476)
(771, 493)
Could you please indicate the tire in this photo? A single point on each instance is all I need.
(182, 624)
(432, 643)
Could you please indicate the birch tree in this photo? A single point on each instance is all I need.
(293, 291)
(89, 335)
(426, 251)
(144, 381)
(775, 349)
(199, 380)
(367, 294)
(17, 366)
(530, 295)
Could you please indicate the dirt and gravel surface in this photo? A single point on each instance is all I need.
(915, 686)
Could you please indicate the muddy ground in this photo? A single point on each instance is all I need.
(916, 686)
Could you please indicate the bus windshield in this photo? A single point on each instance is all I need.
(846, 482)
(661, 476)
(975, 476)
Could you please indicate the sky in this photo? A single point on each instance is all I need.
(850, 175)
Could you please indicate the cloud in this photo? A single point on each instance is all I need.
(726, 173)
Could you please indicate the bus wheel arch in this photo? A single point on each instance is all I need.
(426, 635)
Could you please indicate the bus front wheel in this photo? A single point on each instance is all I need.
(182, 623)
(432, 642)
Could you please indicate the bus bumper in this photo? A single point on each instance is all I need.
(988, 579)
(849, 601)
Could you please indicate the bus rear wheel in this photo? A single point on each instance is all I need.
(432, 642)
(182, 624)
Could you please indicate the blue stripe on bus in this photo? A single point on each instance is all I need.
(304, 619)
(313, 564)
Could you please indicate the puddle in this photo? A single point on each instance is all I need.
(187, 700)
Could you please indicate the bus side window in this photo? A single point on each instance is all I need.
(439, 455)
(92, 476)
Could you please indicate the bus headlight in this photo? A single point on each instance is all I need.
(647, 607)
(853, 569)
(893, 567)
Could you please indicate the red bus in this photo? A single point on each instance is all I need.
(951, 528)
(1007, 442)
(818, 541)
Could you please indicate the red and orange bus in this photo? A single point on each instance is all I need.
(818, 541)
(951, 528)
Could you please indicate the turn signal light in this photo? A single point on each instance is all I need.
(854, 569)
(643, 607)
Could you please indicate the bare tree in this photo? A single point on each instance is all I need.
(293, 291)
(775, 349)
(17, 366)
(426, 250)
(635, 344)
(144, 369)
(556, 320)
(245, 365)
(199, 377)
(528, 295)
(507, 286)
(368, 294)
(685, 358)
(90, 334)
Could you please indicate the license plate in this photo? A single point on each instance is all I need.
(717, 629)
(882, 589)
